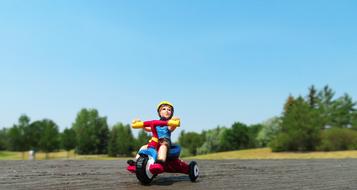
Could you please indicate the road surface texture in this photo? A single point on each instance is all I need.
(221, 174)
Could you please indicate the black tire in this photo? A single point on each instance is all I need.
(194, 171)
(141, 171)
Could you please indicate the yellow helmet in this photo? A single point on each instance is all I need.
(165, 103)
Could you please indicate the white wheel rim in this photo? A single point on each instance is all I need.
(196, 171)
(148, 164)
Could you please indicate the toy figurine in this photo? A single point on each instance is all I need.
(159, 155)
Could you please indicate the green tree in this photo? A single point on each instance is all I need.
(253, 131)
(34, 133)
(92, 132)
(49, 140)
(325, 106)
(235, 138)
(300, 128)
(335, 112)
(212, 140)
(325, 96)
(3, 139)
(17, 138)
(191, 141)
(24, 120)
(121, 141)
(102, 133)
(343, 109)
(68, 140)
(143, 138)
(312, 98)
(269, 131)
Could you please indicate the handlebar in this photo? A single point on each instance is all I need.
(154, 123)
(153, 143)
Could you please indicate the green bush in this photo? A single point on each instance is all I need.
(191, 141)
(212, 140)
(185, 152)
(280, 143)
(338, 139)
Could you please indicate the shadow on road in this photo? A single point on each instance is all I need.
(166, 181)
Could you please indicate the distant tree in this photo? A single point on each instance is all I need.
(68, 140)
(143, 138)
(235, 138)
(91, 132)
(17, 141)
(269, 131)
(24, 120)
(317, 122)
(312, 98)
(325, 106)
(34, 133)
(49, 140)
(3, 139)
(114, 141)
(191, 141)
(289, 102)
(121, 141)
(326, 96)
(300, 128)
(253, 131)
(102, 134)
(17, 138)
(212, 140)
(343, 109)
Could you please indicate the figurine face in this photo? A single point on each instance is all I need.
(165, 111)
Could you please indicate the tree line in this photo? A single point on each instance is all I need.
(317, 121)
(89, 134)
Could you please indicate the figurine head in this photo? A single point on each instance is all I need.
(165, 110)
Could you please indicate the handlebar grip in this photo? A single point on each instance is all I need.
(137, 125)
(174, 123)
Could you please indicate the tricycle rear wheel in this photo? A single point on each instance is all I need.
(193, 171)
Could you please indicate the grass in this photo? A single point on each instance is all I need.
(8, 155)
(260, 153)
(266, 153)
(61, 155)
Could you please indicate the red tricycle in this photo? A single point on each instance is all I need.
(146, 168)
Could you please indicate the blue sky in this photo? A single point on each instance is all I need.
(217, 61)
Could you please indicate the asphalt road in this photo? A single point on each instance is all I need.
(222, 174)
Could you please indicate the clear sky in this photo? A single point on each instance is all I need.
(217, 61)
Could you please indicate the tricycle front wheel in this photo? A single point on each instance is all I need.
(143, 170)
